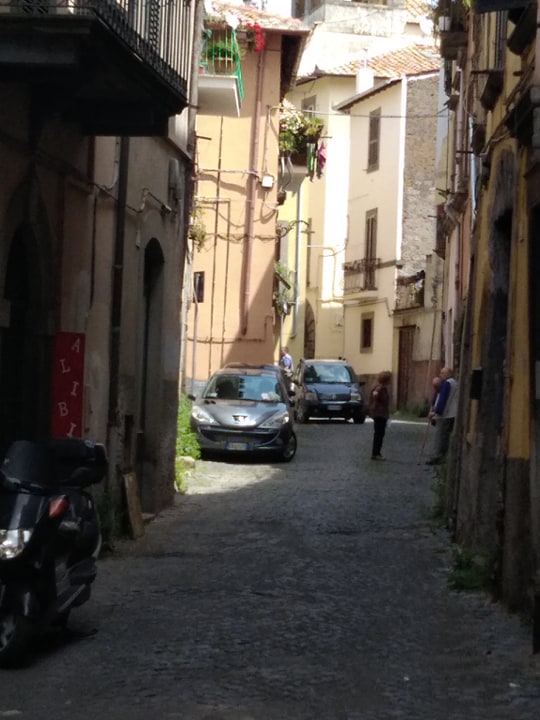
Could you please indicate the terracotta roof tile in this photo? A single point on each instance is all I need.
(417, 9)
(218, 11)
(410, 60)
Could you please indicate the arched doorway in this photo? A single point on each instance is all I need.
(25, 348)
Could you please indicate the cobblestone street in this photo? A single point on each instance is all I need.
(315, 590)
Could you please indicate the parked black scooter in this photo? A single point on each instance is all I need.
(49, 537)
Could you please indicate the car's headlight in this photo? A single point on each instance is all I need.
(311, 395)
(355, 395)
(201, 415)
(13, 542)
(277, 420)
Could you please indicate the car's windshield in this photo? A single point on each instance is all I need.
(244, 386)
(328, 373)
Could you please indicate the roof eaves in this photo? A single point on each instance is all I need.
(295, 60)
(315, 74)
(423, 74)
(347, 104)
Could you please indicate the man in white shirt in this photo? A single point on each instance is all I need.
(444, 413)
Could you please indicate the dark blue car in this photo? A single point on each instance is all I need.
(327, 389)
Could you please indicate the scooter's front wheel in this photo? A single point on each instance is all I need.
(15, 634)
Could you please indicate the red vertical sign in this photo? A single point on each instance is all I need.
(68, 384)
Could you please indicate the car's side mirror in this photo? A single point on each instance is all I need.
(191, 396)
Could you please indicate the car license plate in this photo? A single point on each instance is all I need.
(333, 408)
(237, 446)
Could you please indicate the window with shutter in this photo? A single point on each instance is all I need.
(374, 140)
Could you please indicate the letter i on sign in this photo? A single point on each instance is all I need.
(68, 381)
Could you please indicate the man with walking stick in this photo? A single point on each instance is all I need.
(443, 413)
(436, 383)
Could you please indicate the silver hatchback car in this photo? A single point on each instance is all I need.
(245, 410)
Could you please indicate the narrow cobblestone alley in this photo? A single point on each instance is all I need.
(315, 590)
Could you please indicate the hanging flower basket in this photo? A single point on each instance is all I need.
(298, 158)
(297, 130)
(314, 131)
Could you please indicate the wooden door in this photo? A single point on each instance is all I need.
(406, 345)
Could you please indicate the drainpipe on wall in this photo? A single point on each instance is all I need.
(535, 450)
(194, 354)
(187, 269)
(250, 209)
(213, 305)
(298, 258)
(116, 298)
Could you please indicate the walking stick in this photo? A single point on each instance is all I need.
(424, 442)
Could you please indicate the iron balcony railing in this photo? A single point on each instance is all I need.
(221, 55)
(410, 291)
(159, 32)
(360, 275)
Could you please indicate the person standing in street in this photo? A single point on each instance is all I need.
(286, 365)
(285, 359)
(379, 411)
(436, 383)
(443, 414)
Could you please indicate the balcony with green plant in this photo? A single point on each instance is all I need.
(221, 85)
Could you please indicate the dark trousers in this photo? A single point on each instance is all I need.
(443, 431)
(379, 429)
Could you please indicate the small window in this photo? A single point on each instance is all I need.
(374, 140)
(309, 103)
(501, 29)
(370, 257)
(366, 332)
(198, 287)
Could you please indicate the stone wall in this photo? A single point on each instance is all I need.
(419, 174)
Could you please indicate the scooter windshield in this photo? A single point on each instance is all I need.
(20, 510)
(27, 465)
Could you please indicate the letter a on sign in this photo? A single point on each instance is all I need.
(68, 384)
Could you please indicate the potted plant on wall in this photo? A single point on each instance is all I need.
(450, 15)
(197, 228)
(314, 129)
(296, 131)
(251, 36)
(284, 296)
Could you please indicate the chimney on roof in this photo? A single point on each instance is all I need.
(364, 79)
(364, 75)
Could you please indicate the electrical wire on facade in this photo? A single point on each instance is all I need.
(323, 113)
